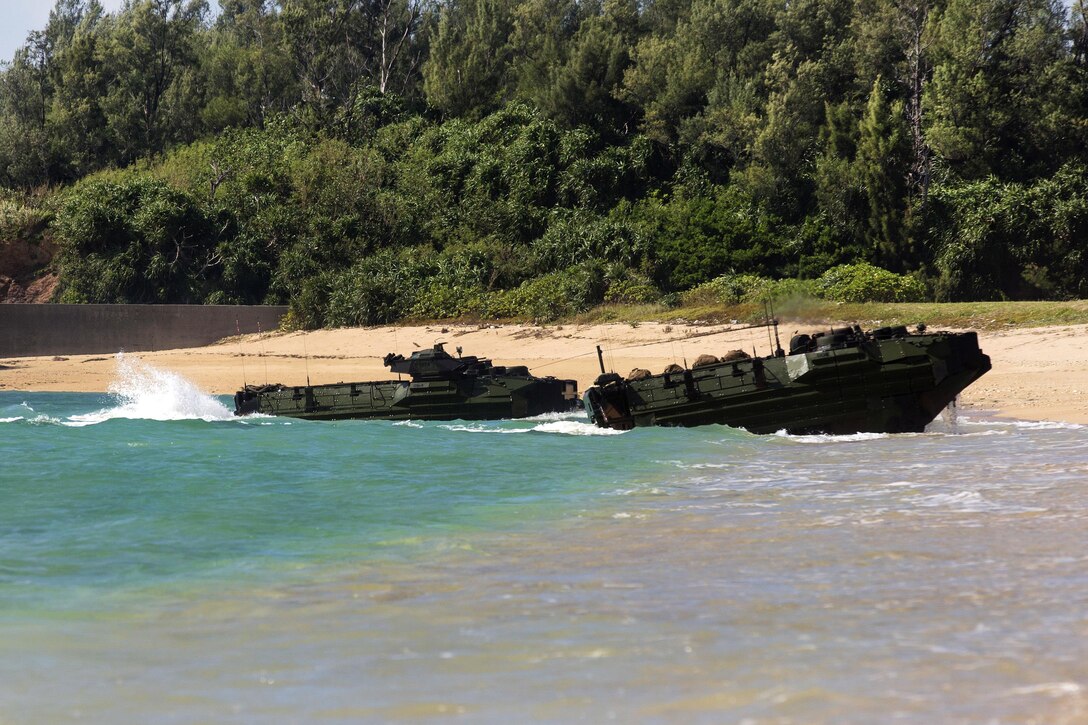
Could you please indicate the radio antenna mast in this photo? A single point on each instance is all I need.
(778, 351)
(306, 358)
(242, 355)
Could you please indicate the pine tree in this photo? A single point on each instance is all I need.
(469, 70)
(881, 161)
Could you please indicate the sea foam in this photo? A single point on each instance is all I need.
(575, 428)
(22, 411)
(561, 427)
(144, 392)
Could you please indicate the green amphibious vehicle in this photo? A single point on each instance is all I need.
(840, 382)
(441, 387)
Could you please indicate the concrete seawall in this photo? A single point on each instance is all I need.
(35, 330)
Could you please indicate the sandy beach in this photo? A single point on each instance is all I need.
(1038, 373)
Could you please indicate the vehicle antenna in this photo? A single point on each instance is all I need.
(600, 358)
(767, 323)
(242, 355)
(260, 351)
(611, 357)
(395, 347)
(306, 358)
(778, 351)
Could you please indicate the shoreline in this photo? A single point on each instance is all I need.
(1038, 374)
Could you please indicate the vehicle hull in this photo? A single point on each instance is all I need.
(867, 385)
(472, 398)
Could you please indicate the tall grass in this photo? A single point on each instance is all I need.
(816, 312)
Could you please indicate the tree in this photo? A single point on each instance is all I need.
(78, 125)
(912, 18)
(999, 240)
(24, 101)
(401, 29)
(138, 241)
(469, 73)
(342, 47)
(881, 160)
(841, 193)
(571, 58)
(27, 89)
(543, 31)
(246, 66)
(1000, 96)
(147, 46)
(789, 137)
(698, 77)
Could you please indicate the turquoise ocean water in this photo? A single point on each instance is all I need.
(163, 562)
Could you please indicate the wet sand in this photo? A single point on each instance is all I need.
(1038, 373)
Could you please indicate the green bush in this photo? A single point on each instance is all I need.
(696, 237)
(632, 289)
(574, 236)
(728, 289)
(378, 289)
(787, 289)
(308, 307)
(18, 220)
(997, 240)
(732, 289)
(551, 296)
(864, 282)
(442, 299)
(136, 241)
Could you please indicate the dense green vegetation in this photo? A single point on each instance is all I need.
(371, 161)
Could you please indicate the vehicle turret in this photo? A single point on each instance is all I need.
(436, 364)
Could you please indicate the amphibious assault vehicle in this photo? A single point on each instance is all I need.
(843, 381)
(441, 387)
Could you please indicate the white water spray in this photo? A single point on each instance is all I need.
(148, 393)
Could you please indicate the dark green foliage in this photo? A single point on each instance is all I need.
(882, 162)
(248, 72)
(1005, 89)
(551, 296)
(138, 240)
(379, 289)
(582, 80)
(1006, 240)
(146, 53)
(468, 72)
(502, 179)
(370, 161)
(694, 238)
(575, 236)
(632, 288)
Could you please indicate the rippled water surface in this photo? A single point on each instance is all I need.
(163, 562)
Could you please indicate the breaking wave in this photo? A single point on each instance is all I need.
(15, 413)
